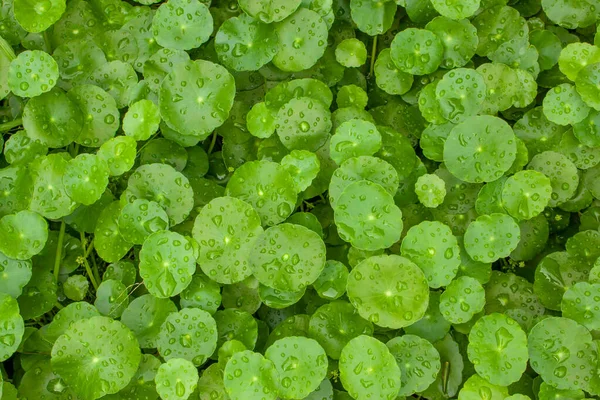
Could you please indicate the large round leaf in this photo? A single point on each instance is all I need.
(245, 44)
(190, 334)
(226, 230)
(368, 370)
(12, 326)
(167, 263)
(196, 97)
(182, 24)
(164, 185)
(288, 257)
(96, 356)
(498, 349)
(301, 364)
(38, 15)
(267, 187)
(563, 353)
(23, 235)
(390, 291)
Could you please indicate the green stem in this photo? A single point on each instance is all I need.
(86, 253)
(373, 55)
(445, 374)
(7, 126)
(95, 267)
(47, 42)
(144, 145)
(74, 150)
(7, 50)
(59, 247)
(58, 305)
(90, 274)
(213, 141)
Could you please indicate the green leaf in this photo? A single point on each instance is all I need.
(167, 263)
(418, 360)
(463, 298)
(476, 388)
(564, 106)
(367, 217)
(32, 73)
(563, 353)
(252, 376)
(140, 219)
(562, 173)
(226, 230)
(360, 168)
(497, 349)
(254, 180)
(117, 78)
(303, 124)
(164, 185)
(182, 24)
(38, 15)
(22, 235)
(196, 97)
(351, 53)
(101, 116)
(66, 317)
(299, 373)
(491, 237)
(300, 49)
(12, 324)
(86, 178)
(433, 247)
(369, 370)
(456, 9)
(334, 324)
(269, 11)
(390, 291)
(190, 334)
(96, 356)
(202, 293)
(526, 194)
(109, 243)
(480, 149)
(15, 275)
(42, 383)
(141, 120)
(145, 316)
(287, 257)
(245, 44)
(176, 379)
(53, 119)
(112, 297)
(580, 303)
(417, 51)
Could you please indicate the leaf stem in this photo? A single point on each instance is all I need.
(95, 267)
(7, 126)
(373, 55)
(59, 247)
(58, 305)
(213, 141)
(89, 249)
(445, 374)
(89, 272)
(74, 150)
(47, 42)
(86, 253)
(139, 151)
(7, 50)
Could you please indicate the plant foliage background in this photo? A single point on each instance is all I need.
(299, 199)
